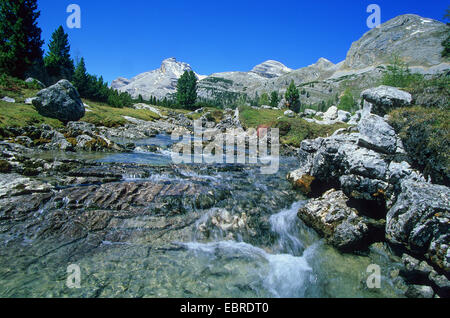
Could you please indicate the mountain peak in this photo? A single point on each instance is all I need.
(172, 66)
(405, 36)
(323, 63)
(271, 69)
(170, 59)
(159, 83)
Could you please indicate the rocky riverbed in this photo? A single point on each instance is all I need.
(111, 201)
(138, 226)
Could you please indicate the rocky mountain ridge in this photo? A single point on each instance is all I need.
(414, 39)
(158, 83)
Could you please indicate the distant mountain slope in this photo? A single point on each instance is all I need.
(158, 83)
(271, 69)
(416, 40)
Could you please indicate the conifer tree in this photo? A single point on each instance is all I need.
(293, 98)
(81, 78)
(20, 37)
(274, 99)
(187, 90)
(58, 62)
(264, 99)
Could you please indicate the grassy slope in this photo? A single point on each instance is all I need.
(103, 115)
(292, 130)
(19, 114)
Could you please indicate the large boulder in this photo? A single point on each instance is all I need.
(60, 101)
(338, 223)
(309, 112)
(366, 164)
(383, 99)
(419, 291)
(343, 116)
(331, 114)
(378, 135)
(420, 221)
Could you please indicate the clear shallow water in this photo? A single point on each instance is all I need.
(284, 259)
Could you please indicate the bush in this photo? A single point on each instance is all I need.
(425, 133)
(434, 92)
(347, 102)
(398, 74)
(284, 127)
(13, 84)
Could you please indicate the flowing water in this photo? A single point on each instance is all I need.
(283, 258)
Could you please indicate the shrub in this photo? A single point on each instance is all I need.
(398, 74)
(425, 133)
(264, 99)
(284, 127)
(434, 92)
(347, 102)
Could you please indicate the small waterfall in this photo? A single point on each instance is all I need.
(287, 273)
(285, 224)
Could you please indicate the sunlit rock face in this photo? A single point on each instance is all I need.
(271, 69)
(158, 83)
(416, 40)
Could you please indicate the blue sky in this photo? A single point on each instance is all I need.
(124, 38)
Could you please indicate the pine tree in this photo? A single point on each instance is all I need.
(81, 79)
(323, 106)
(58, 62)
(274, 99)
(264, 99)
(293, 98)
(187, 90)
(20, 37)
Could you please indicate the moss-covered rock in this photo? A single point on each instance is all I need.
(425, 133)
(5, 166)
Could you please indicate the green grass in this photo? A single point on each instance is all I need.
(216, 114)
(218, 80)
(21, 115)
(301, 130)
(19, 96)
(292, 130)
(104, 115)
(255, 117)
